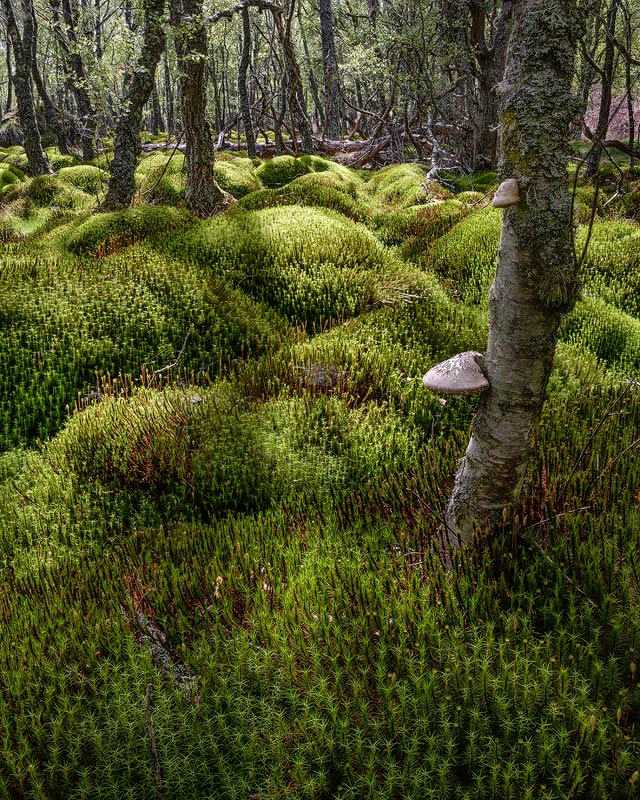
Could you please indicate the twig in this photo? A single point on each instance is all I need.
(166, 166)
(179, 356)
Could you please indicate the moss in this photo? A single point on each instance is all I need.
(324, 190)
(7, 177)
(236, 177)
(279, 170)
(610, 334)
(58, 160)
(465, 256)
(87, 177)
(308, 263)
(417, 226)
(106, 233)
(46, 191)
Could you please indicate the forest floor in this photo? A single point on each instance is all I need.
(221, 483)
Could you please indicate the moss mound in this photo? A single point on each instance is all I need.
(102, 234)
(237, 176)
(322, 189)
(87, 177)
(62, 328)
(465, 257)
(309, 264)
(416, 227)
(277, 171)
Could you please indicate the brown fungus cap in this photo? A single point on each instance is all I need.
(462, 374)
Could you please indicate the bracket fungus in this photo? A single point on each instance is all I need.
(462, 374)
(507, 194)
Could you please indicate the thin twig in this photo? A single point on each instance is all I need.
(179, 356)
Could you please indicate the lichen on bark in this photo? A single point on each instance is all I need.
(536, 280)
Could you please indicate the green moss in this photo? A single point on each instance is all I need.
(308, 263)
(324, 190)
(611, 267)
(274, 172)
(417, 226)
(59, 161)
(465, 256)
(106, 233)
(236, 177)
(89, 178)
(62, 326)
(612, 335)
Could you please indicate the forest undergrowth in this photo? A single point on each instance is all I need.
(221, 483)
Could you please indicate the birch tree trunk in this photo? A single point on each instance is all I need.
(536, 281)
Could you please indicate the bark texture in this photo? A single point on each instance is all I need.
(203, 195)
(330, 70)
(536, 281)
(137, 89)
(23, 55)
(243, 89)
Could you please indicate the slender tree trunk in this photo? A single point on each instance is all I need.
(292, 80)
(593, 162)
(137, 88)
(629, 86)
(536, 281)
(75, 73)
(490, 60)
(332, 126)
(203, 195)
(168, 93)
(313, 83)
(9, 76)
(22, 52)
(243, 90)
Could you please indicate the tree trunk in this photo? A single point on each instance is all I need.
(490, 60)
(332, 127)
(75, 73)
(243, 90)
(203, 195)
(536, 281)
(168, 93)
(22, 53)
(138, 84)
(600, 134)
(292, 79)
(9, 77)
